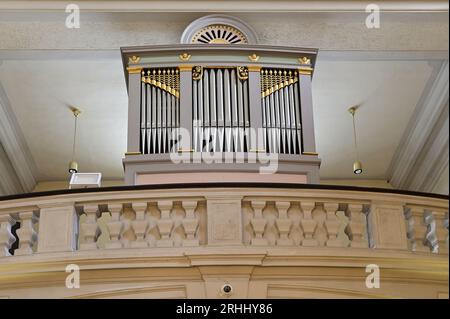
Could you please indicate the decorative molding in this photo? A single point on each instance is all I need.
(382, 55)
(434, 157)
(185, 67)
(134, 59)
(305, 70)
(219, 34)
(184, 56)
(310, 153)
(238, 6)
(9, 182)
(217, 19)
(423, 150)
(133, 153)
(242, 72)
(304, 60)
(134, 69)
(253, 57)
(322, 55)
(15, 146)
(254, 68)
(197, 73)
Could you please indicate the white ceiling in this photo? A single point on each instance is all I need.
(40, 93)
(41, 90)
(388, 92)
(45, 67)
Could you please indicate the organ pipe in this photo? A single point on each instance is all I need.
(220, 109)
(223, 93)
(159, 109)
(281, 110)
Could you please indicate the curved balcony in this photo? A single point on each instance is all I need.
(186, 241)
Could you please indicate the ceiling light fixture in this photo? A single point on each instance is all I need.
(357, 166)
(73, 165)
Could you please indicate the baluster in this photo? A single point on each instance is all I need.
(332, 225)
(309, 225)
(26, 233)
(356, 227)
(115, 226)
(259, 224)
(418, 229)
(283, 224)
(165, 224)
(139, 225)
(90, 228)
(6, 237)
(190, 224)
(441, 230)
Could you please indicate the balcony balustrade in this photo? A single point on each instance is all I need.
(210, 225)
(268, 217)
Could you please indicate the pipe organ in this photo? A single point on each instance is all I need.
(220, 107)
(281, 111)
(243, 104)
(160, 110)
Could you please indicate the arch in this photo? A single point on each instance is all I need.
(228, 23)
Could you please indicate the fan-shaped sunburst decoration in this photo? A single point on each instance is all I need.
(219, 34)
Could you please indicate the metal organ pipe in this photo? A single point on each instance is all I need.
(227, 107)
(159, 109)
(223, 92)
(220, 110)
(281, 111)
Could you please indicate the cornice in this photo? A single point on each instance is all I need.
(15, 145)
(225, 6)
(434, 157)
(423, 150)
(136, 265)
(9, 182)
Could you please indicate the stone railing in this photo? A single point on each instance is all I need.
(258, 216)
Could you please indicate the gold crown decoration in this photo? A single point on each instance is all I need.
(304, 60)
(184, 56)
(134, 59)
(253, 57)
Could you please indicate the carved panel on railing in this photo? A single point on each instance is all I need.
(141, 224)
(357, 226)
(441, 231)
(418, 222)
(26, 233)
(293, 223)
(6, 236)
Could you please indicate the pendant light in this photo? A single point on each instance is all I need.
(357, 166)
(73, 165)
